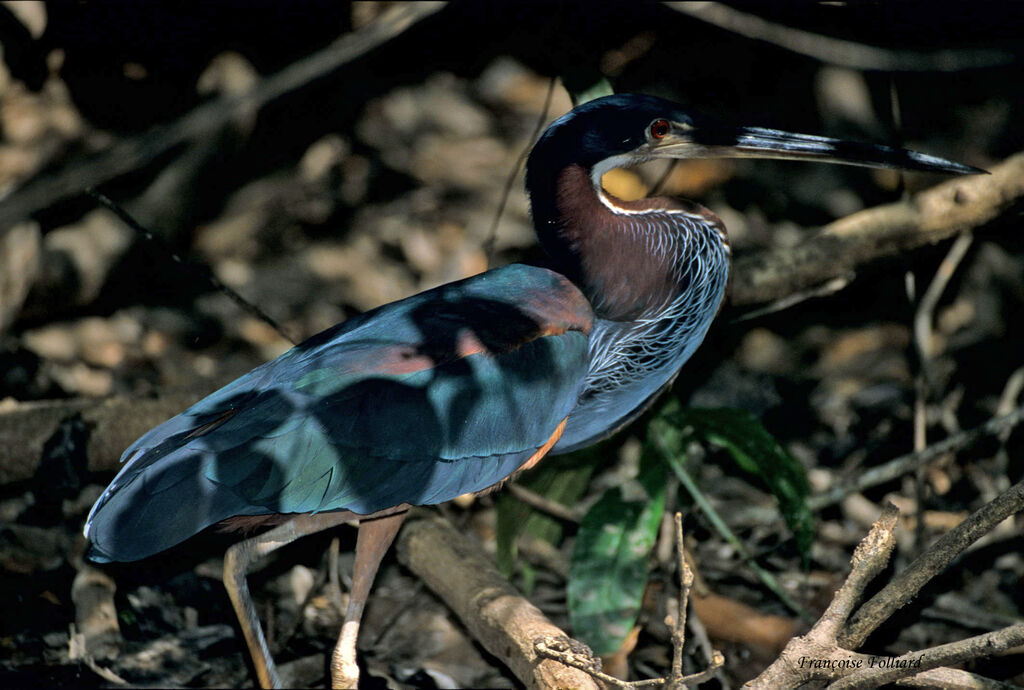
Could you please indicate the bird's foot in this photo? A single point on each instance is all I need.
(347, 677)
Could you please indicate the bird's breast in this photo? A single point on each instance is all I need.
(632, 359)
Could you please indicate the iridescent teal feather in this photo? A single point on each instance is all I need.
(416, 402)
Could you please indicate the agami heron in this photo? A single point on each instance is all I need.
(456, 389)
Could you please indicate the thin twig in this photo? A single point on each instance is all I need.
(940, 554)
(925, 315)
(935, 657)
(701, 633)
(577, 655)
(836, 50)
(924, 318)
(908, 463)
(492, 234)
(921, 386)
(715, 658)
(545, 505)
(1008, 399)
(830, 287)
(679, 624)
(189, 267)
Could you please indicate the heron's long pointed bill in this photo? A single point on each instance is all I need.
(758, 142)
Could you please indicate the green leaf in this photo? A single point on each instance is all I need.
(674, 453)
(756, 452)
(608, 571)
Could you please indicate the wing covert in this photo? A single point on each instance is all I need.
(446, 392)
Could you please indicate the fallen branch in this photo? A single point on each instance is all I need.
(908, 583)
(869, 559)
(935, 657)
(841, 247)
(497, 615)
(825, 652)
(114, 424)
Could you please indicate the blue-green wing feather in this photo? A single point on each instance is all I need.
(447, 392)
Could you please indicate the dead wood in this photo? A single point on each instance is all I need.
(842, 247)
(114, 423)
(934, 560)
(497, 615)
(826, 651)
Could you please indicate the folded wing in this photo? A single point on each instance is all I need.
(444, 393)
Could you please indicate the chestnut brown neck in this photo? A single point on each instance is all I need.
(624, 256)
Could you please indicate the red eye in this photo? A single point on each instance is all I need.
(660, 128)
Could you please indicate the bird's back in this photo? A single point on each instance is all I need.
(444, 393)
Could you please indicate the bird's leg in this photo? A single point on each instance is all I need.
(375, 536)
(237, 561)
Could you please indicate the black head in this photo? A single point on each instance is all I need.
(623, 125)
(628, 129)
